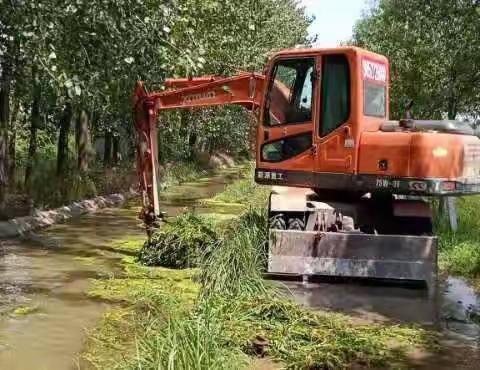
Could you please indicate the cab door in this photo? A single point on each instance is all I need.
(285, 135)
(333, 136)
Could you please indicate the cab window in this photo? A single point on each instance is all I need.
(374, 99)
(286, 148)
(335, 107)
(289, 98)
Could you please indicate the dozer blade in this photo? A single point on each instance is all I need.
(397, 257)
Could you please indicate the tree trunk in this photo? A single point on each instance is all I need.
(84, 145)
(34, 124)
(131, 151)
(116, 149)
(4, 120)
(107, 149)
(12, 142)
(452, 108)
(452, 99)
(62, 148)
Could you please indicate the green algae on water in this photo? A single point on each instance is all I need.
(26, 310)
(85, 260)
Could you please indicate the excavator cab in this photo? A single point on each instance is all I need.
(316, 105)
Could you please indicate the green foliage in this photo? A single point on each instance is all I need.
(184, 135)
(433, 52)
(209, 319)
(148, 295)
(46, 148)
(179, 173)
(72, 186)
(87, 55)
(49, 190)
(244, 191)
(460, 251)
(180, 243)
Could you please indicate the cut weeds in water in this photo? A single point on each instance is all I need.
(180, 243)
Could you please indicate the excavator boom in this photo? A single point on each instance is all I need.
(245, 89)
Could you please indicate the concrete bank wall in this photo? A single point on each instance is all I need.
(40, 219)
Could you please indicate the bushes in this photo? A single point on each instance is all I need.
(179, 244)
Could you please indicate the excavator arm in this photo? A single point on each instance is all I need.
(245, 89)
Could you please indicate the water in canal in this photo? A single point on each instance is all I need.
(455, 308)
(50, 275)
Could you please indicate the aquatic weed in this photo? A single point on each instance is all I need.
(180, 243)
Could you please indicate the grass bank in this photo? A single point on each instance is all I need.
(218, 313)
(459, 252)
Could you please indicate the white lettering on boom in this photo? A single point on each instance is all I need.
(192, 97)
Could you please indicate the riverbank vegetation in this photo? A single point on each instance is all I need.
(459, 251)
(221, 314)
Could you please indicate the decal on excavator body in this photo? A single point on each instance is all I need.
(374, 70)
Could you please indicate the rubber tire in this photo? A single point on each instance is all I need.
(296, 224)
(277, 222)
(421, 226)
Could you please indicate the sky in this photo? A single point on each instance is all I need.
(334, 19)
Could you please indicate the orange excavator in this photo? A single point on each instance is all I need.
(351, 188)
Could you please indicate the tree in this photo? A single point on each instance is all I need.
(434, 52)
(79, 59)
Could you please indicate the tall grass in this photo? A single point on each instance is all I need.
(182, 172)
(48, 189)
(459, 252)
(300, 338)
(186, 343)
(235, 265)
(245, 191)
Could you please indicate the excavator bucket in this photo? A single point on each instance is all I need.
(326, 241)
(390, 257)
